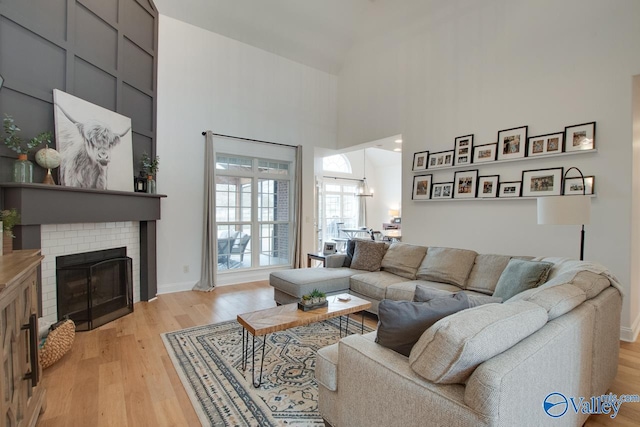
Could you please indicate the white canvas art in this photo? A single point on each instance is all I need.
(95, 145)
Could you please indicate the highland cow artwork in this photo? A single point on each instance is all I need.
(95, 145)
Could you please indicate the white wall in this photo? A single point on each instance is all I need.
(445, 69)
(209, 82)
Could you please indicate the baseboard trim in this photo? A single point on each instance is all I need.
(175, 287)
(631, 334)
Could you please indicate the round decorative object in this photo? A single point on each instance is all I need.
(58, 343)
(48, 158)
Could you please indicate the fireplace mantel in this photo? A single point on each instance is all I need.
(40, 204)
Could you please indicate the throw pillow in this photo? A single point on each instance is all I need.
(403, 260)
(424, 293)
(520, 275)
(368, 255)
(351, 247)
(401, 323)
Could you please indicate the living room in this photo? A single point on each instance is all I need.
(430, 71)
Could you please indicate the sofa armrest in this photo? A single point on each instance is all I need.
(334, 260)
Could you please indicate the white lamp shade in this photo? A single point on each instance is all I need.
(564, 210)
(394, 212)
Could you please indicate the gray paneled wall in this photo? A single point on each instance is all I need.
(103, 51)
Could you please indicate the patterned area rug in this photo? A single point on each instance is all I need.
(208, 360)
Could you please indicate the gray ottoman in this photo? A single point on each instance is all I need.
(290, 285)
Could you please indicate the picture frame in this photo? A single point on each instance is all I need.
(485, 153)
(551, 143)
(420, 160)
(512, 143)
(465, 184)
(442, 190)
(542, 182)
(488, 186)
(329, 248)
(580, 137)
(421, 187)
(463, 150)
(573, 186)
(509, 189)
(441, 159)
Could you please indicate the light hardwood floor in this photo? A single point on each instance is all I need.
(120, 374)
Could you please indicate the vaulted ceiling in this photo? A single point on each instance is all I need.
(317, 33)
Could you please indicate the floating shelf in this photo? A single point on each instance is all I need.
(491, 199)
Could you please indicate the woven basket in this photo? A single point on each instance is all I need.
(58, 342)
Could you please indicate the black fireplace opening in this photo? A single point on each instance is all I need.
(94, 288)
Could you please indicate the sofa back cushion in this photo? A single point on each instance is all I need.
(368, 255)
(485, 272)
(520, 275)
(449, 351)
(557, 300)
(447, 265)
(403, 259)
(401, 323)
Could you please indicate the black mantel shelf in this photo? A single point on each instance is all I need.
(55, 204)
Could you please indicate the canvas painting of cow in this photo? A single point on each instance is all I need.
(95, 144)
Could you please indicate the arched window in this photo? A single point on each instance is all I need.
(336, 163)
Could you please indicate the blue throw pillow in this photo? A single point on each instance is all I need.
(520, 275)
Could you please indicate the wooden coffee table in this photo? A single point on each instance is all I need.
(264, 322)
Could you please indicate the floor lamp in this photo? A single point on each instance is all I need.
(566, 210)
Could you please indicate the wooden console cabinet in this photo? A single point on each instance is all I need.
(22, 397)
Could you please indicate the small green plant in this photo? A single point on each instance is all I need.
(9, 218)
(15, 142)
(317, 294)
(149, 165)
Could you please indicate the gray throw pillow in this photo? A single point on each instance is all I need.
(368, 255)
(402, 323)
(424, 293)
(351, 248)
(520, 275)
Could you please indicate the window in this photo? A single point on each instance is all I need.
(338, 209)
(336, 163)
(253, 212)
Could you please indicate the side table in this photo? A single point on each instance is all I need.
(318, 256)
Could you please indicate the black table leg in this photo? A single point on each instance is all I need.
(245, 355)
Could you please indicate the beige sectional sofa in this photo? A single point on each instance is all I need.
(491, 365)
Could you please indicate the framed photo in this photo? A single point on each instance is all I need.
(463, 149)
(511, 143)
(420, 160)
(421, 187)
(329, 248)
(488, 186)
(574, 185)
(580, 137)
(442, 190)
(484, 153)
(542, 182)
(465, 184)
(509, 189)
(545, 144)
(440, 159)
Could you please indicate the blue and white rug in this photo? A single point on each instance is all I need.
(208, 360)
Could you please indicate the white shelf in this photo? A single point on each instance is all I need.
(490, 199)
(495, 162)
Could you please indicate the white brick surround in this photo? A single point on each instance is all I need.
(66, 239)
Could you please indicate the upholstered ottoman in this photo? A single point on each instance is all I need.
(290, 285)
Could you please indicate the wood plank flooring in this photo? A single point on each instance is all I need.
(120, 374)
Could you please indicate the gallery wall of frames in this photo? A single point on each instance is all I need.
(512, 145)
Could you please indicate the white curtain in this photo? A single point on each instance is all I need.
(209, 235)
(297, 212)
(362, 207)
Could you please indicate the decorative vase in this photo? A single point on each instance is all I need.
(7, 242)
(22, 169)
(151, 185)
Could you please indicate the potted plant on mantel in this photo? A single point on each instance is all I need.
(8, 218)
(22, 168)
(151, 167)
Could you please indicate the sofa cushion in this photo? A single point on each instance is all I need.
(591, 283)
(447, 265)
(485, 272)
(449, 351)
(373, 284)
(520, 275)
(301, 281)
(326, 370)
(557, 300)
(368, 255)
(401, 323)
(403, 259)
(424, 293)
